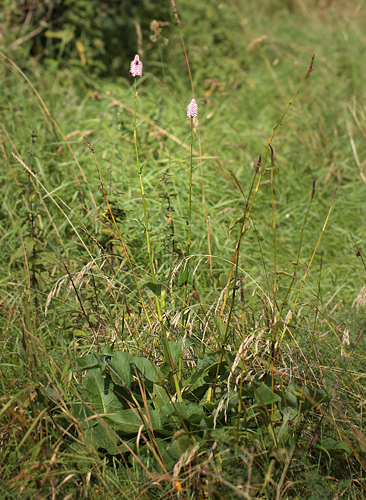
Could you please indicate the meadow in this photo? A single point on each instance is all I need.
(183, 297)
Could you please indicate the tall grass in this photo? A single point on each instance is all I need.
(161, 351)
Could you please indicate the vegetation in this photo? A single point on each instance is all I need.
(182, 299)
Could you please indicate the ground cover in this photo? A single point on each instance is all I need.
(172, 373)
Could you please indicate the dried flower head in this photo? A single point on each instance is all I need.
(136, 66)
(192, 109)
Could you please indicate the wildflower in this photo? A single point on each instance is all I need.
(178, 486)
(136, 67)
(192, 109)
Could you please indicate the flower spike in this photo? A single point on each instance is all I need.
(136, 67)
(192, 109)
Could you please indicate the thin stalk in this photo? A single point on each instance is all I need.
(296, 268)
(273, 319)
(237, 248)
(190, 193)
(148, 247)
(275, 128)
(316, 247)
(185, 293)
(314, 326)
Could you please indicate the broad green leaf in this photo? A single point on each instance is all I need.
(155, 288)
(291, 399)
(187, 410)
(107, 351)
(87, 361)
(196, 379)
(130, 421)
(221, 329)
(185, 276)
(332, 444)
(99, 391)
(147, 369)
(170, 451)
(126, 421)
(264, 395)
(161, 398)
(120, 368)
(209, 360)
(103, 436)
(175, 351)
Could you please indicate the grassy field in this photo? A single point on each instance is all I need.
(193, 326)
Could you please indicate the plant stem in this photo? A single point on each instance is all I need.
(148, 247)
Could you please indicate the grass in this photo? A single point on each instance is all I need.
(98, 340)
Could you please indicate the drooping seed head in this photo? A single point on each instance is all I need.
(136, 67)
(192, 109)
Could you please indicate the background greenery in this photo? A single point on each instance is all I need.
(247, 61)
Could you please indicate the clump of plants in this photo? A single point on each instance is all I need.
(158, 390)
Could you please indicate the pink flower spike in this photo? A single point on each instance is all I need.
(192, 109)
(136, 67)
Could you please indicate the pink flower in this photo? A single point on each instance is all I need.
(136, 67)
(192, 109)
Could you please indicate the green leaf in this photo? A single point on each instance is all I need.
(101, 437)
(185, 275)
(161, 398)
(221, 329)
(19, 253)
(175, 351)
(125, 421)
(332, 444)
(107, 351)
(129, 421)
(87, 361)
(264, 395)
(120, 368)
(155, 288)
(204, 364)
(147, 369)
(187, 410)
(240, 220)
(99, 390)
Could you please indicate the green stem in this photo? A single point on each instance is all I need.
(148, 247)
(185, 293)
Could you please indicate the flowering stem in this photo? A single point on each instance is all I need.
(148, 247)
(190, 193)
(142, 190)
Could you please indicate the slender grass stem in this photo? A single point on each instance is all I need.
(275, 128)
(273, 319)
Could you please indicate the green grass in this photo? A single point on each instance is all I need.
(272, 396)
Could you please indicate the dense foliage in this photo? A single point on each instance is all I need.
(182, 300)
